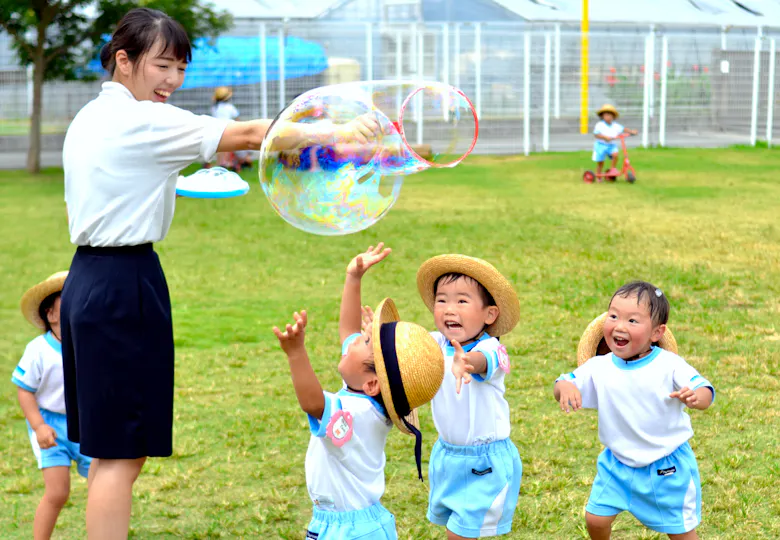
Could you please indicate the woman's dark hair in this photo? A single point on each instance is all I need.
(137, 33)
(487, 298)
(655, 298)
(45, 306)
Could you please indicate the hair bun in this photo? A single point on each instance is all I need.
(106, 58)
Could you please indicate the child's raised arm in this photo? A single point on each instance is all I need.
(307, 386)
(350, 316)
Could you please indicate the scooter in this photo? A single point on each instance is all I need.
(613, 174)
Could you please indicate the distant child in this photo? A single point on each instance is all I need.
(475, 469)
(389, 369)
(224, 109)
(606, 133)
(41, 395)
(641, 389)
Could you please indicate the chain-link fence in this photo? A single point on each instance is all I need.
(677, 87)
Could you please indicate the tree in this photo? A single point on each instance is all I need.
(58, 37)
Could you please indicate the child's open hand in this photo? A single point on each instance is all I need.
(46, 436)
(360, 264)
(569, 396)
(366, 325)
(292, 339)
(687, 396)
(461, 367)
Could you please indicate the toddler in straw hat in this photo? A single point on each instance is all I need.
(641, 389)
(475, 469)
(39, 378)
(606, 132)
(389, 369)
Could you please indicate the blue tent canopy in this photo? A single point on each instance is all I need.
(235, 61)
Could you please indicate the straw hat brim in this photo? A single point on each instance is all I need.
(609, 109)
(594, 334)
(482, 271)
(31, 300)
(222, 94)
(386, 312)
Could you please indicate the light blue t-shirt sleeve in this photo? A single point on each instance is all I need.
(319, 426)
(488, 347)
(687, 375)
(348, 342)
(27, 374)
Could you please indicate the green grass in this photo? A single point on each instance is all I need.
(22, 127)
(701, 224)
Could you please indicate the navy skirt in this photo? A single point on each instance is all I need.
(117, 353)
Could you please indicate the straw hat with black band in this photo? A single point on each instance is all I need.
(593, 339)
(486, 274)
(410, 368)
(31, 300)
(607, 108)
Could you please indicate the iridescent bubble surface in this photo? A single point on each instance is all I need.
(347, 180)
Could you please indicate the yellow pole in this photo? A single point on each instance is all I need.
(584, 68)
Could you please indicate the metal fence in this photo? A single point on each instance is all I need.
(678, 87)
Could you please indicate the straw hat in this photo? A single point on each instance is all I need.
(412, 358)
(594, 335)
(222, 93)
(31, 300)
(486, 274)
(607, 108)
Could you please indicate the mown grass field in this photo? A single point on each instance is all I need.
(701, 224)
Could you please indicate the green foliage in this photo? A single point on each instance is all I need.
(701, 224)
(72, 37)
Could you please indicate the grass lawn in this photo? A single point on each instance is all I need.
(701, 224)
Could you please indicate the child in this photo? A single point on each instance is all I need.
(641, 390)
(225, 110)
(606, 132)
(475, 469)
(41, 396)
(389, 369)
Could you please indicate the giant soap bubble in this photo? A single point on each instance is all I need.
(343, 185)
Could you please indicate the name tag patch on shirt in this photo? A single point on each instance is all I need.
(340, 428)
(667, 472)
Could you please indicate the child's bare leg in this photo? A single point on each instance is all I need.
(614, 160)
(57, 481)
(690, 535)
(452, 536)
(599, 527)
(599, 169)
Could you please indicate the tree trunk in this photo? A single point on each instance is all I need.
(39, 69)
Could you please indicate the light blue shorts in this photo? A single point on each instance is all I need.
(372, 523)
(474, 489)
(603, 151)
(65, 451)
(665, 495)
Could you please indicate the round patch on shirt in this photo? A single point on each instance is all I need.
(340, 428)
(503, 359)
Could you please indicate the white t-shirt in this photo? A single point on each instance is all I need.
(40, 372)
(345, 462)
(122, 158)
(480, 413)
(224, 111)
(610, 130)
(638, 420)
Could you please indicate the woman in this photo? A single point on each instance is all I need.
(122, 156)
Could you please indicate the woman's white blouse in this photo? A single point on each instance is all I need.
(122, 158)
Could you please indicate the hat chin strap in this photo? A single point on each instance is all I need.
(397, 392)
